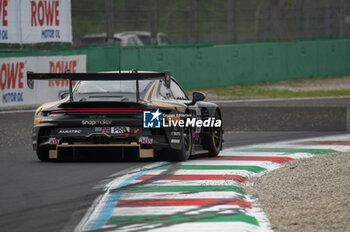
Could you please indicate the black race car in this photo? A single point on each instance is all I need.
(146, 113)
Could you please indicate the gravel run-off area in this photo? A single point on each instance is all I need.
(311, 194)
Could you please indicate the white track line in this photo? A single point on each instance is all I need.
(248, 153)
(172, 210)
(16, 111)
(190, 182)
(205, 172)
(306, 146)
(231, 163)
(182, 195)
(268, 154)
(198, 226)
(275, 99)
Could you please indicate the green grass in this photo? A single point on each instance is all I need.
(256, 91)
(274, 89)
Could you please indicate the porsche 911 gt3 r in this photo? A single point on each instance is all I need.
(146, 113)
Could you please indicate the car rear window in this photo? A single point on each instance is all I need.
(111, 86)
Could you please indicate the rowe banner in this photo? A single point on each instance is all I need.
(13, 80)
(35, 21)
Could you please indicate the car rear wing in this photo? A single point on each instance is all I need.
(118, 76)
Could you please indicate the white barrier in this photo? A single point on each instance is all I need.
(13, 79)
(35, 21)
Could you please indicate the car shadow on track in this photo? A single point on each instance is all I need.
(102, 157)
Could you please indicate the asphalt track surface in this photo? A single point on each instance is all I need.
(37, 196)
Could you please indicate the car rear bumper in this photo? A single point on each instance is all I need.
(146, 142)
(142, 153)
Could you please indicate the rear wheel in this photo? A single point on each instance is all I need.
(186, 148)
(214, 141)
(43, 154)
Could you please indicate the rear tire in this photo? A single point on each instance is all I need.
(186, 149)
(43, 154)
(214, 141)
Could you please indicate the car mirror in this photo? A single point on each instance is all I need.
(63, 95)
(30, 82)
(167, 79)
(198, 96)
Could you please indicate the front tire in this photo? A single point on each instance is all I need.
(186, 148)
(214, 140)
